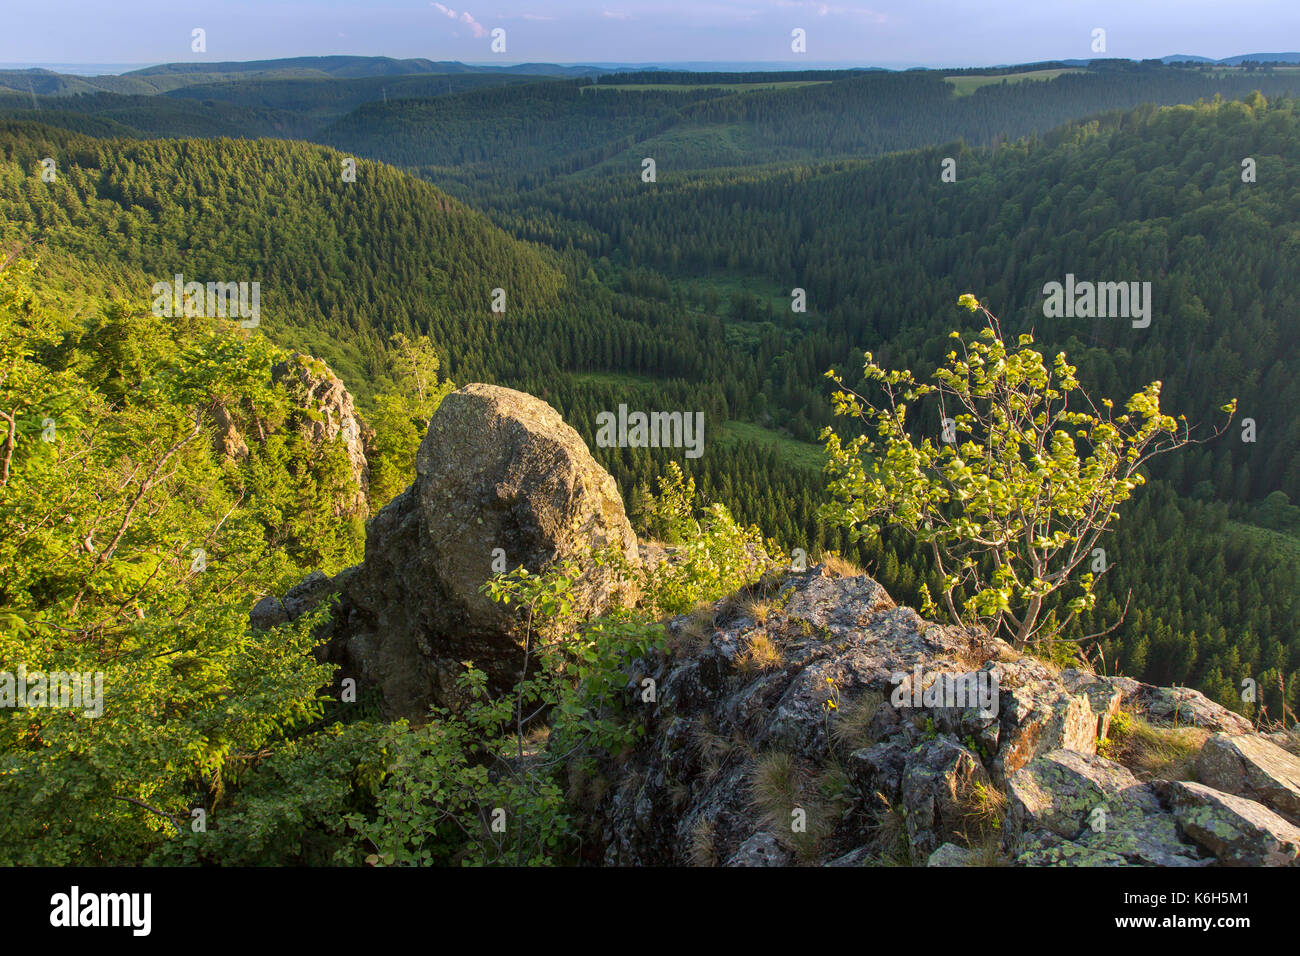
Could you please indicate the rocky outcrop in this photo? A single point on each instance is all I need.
(875, 736)
(1238, 831)
(1252, 767)
(325, 413)
(501, 481)
(1179, 705)
(1068, 808)
(227, 442)
(329, 416)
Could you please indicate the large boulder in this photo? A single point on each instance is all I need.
(501, 481)
(500, 472)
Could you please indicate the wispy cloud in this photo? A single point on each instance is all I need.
(463, 17)
(824, 9)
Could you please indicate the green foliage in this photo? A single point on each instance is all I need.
(341, 265)
(131, 549)
(442, 803)
(1010, 513)
(402, 413)
(713, 555)
(369, 274)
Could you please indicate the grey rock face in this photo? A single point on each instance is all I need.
(1075, 809)
(936, 784)
(950, 854)
(1238, 831)
(227, 441)
(840, 712)
(1181, 706)
(1252, 767)
(330, 415)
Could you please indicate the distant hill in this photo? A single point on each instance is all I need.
(166, 77)
(1235, 60)
(530, 135)
(352, 67)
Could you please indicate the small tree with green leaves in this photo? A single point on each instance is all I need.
(1015, 497)
(401, 415)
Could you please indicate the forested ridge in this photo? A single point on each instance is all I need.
(879, 246)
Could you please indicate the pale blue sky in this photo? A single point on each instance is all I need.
(863, 32)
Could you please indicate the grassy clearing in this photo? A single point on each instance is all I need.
(791, 451)
(616, 379)
(724, 286)
(1287, 545)
(691, 148)
(798, 453)
(966, 85)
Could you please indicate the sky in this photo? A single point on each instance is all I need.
(840, 32)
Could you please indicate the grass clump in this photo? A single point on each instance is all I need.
(761, 656)
(851, 723)
(839, 566)
(1150, 751)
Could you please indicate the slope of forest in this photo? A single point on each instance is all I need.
(342, 265)
(1155, 195)
(665, 295)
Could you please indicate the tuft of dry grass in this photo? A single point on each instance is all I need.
(775, 785)
(889, 834)
(984, 809)
(756, 609)
(680, 794)
(1152, 752)
(703, 850)
(694, 635)
(632, 785)
(851, 725)
(762, 655)
(784, 794)
(838, 565)
(715, 750)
